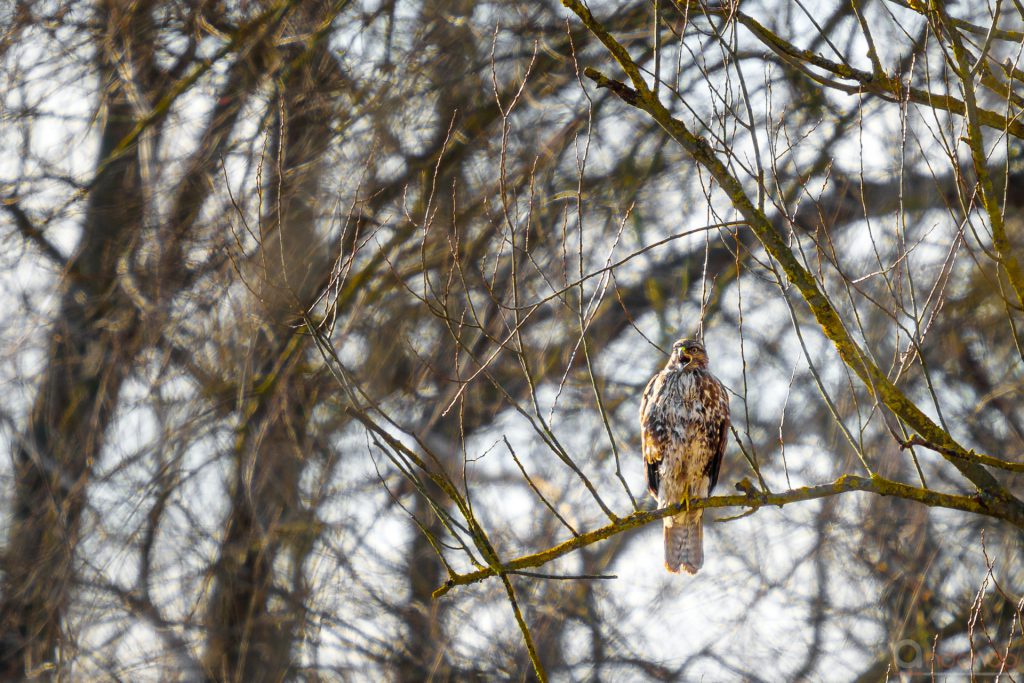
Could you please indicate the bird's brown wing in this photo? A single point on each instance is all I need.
(649, 433)
(715, 464)
(719, 437)
(652, 457)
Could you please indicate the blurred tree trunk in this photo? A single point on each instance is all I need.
(92, 346)
(257, 607)
(424, 655)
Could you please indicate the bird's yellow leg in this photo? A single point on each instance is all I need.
(686, 498)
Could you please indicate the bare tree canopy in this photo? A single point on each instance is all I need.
(328, 324)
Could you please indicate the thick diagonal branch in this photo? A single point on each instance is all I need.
(877, 383)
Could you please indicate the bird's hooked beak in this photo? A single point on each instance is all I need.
(683, 356)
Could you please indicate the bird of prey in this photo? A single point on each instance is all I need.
(684, 423)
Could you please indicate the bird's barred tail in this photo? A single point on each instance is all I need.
(684, 542)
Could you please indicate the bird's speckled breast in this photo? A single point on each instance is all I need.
(683, 419)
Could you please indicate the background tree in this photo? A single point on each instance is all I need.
(328, 323)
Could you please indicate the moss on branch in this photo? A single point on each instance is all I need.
(751, 501)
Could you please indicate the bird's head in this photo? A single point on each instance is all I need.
(688, 354)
